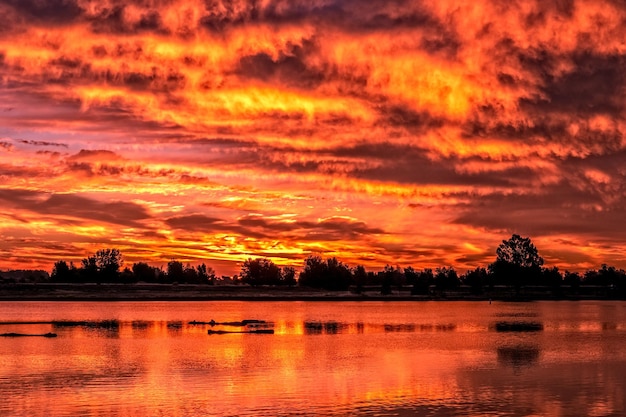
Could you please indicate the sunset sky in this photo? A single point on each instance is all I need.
(381, 132)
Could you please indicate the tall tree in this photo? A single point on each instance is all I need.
(517, 262)
(175, 271)
(89, 270)
(108, 262)
(62, 272)
(206, 274)
(519, 251)
(359, 276)
(288, 276)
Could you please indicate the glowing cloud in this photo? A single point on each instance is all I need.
(413, 132)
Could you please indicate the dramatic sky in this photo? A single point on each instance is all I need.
(382, 131)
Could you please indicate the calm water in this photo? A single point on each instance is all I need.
(325, 359)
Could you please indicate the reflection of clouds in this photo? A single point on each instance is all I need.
(570, 389)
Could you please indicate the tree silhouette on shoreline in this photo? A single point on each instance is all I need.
(517, 265)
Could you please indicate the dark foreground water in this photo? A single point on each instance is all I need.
(324, 359)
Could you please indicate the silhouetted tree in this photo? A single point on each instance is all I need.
(552, 277)
(446, 278)
(108, 262)
(573, 279)
(190, 274)
(144, 272)
(89, 270)
(608, 276)
(359, 277)
(338, 275)
(260, 271)
(423, 282)
(312, 275)
(206, 275)
(62, 272)
(331, 274)
(477, 280)
(127, 276)
(391, 276)
(175, 271)
(517, 262)
(410, 275)
(288, 276)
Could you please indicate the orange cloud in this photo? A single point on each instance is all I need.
(412, 132)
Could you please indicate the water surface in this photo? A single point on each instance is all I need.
(324, 359)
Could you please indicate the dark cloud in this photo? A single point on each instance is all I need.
(289, 67)
(49, 153)
(41, 143)
(486, 122)
(47, 11)
(415, 168)
(538, 15)
(66, 69)
(541, 128)
(402, 116)
(566, 208)
(331, 229)
(348, 15)
(338, 228)
(114, 19)
(94, 155)
(75, 206)
(595, 85)
(194, 223)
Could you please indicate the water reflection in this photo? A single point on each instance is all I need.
(516, 314)
(518, 326)
(333, 327)
(438, 359)
(329, 327)
(104, 324)
(519, 355)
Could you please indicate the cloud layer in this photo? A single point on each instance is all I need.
(401, 132)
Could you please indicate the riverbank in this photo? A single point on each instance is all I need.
(184, 292)
(173, 292)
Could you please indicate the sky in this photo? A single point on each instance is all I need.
(395, 132)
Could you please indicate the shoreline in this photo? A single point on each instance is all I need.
(187, 293)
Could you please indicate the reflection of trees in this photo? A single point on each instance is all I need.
(518, 326)
(516, 356)
(329, 327)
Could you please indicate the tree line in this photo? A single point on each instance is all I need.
(106, 266)
(517, 264)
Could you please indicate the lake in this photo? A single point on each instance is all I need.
(324, 359)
